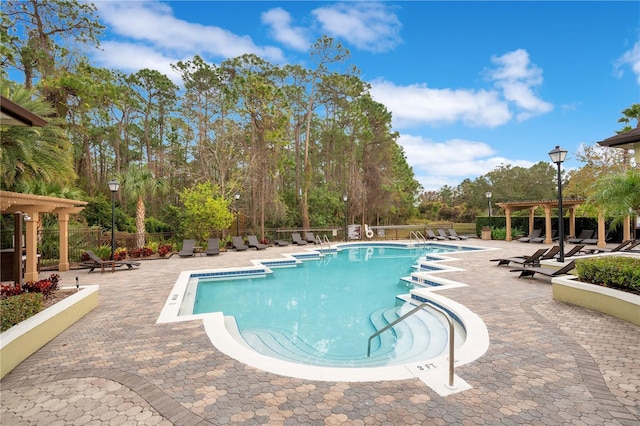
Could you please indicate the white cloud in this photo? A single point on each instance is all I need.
(417, 104)
(153, 24)
(630, 58)
(515, 75)
(512, 95)
(444, 163)
(368, 26)
(131, 58)
(280, 22)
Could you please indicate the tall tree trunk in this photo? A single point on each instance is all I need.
(140, 231)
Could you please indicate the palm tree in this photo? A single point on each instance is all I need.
(618, 194)
(629, 114)
(137, 183)
(34, 153)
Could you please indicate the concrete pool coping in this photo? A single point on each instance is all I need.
(433, 371)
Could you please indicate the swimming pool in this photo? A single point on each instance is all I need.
(291, 311)
(323, 311)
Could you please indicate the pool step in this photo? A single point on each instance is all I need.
(409, 340)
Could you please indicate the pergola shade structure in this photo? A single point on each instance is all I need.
(33, 206)
(12, 114)
(547, 205)
(626, 140)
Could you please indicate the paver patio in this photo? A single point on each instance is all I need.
(548, 363)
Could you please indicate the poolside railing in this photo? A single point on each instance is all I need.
(413, 311)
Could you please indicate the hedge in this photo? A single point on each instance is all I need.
(611, 271)
(18, 308)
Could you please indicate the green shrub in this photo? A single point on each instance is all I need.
(499, 233)
(18, 308)
(153, 245)
(611, 271)
(103, 252)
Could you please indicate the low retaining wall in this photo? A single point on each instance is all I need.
(609, 301)
(22, 340)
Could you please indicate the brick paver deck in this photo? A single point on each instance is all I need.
(548, 363)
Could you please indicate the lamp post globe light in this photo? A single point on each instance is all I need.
(488, 194)
(345, 197)
(237, 197)
(558, 156)
(113, 187)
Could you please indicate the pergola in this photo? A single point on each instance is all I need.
(32, 206)
(12, 114)
(547, 205)
(626, 140)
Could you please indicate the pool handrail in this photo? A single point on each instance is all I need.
(413, 311)
(418, 235)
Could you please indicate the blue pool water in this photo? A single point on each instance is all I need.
(323, 311)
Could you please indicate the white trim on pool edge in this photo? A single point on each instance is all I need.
(432, 371)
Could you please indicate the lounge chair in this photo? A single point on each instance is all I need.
(534, 234)
(309, 237)
(281, 243)
(433, 236)
(542, 238)
(238, 244)
(453, 233)
(584, 235)
(574, 250)
(253, 242)
(297, 239)
(631, 247)
(594, 239)
(443, 234)
(95, 262)
(549, 272)
(534, 259)
(551, 253)
(188, 248)
(619, 247)
(213, 247)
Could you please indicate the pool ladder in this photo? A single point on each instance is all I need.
(413, 311)
(323, 241)
(418, 236)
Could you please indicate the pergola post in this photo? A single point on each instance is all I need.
(626, 228)
(31, 263)
(572, 221)
(63, 222)
(532, 212)
(507, 212)
(601, 230)
(547, 224)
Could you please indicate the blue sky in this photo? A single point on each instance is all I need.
(471, 85)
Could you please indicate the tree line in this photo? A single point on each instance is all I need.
(291, 141)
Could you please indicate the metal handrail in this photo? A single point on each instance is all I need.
(413, 311)
(418, 236)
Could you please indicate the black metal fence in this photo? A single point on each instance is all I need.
(81, 240)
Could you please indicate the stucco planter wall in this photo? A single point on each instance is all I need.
(612, 302)
(22, 340)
